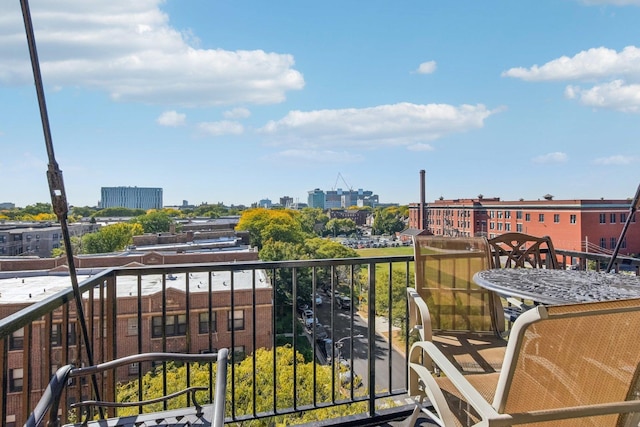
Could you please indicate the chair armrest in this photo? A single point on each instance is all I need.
(419, 316)
(50, 399)
(473, 397)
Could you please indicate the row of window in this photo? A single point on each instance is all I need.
(16, 340)
(174, 325)
(613, 241)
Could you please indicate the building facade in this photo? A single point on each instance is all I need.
(36, 238)
(131, 197)
(579, 225)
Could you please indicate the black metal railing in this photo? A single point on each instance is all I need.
(249, 307)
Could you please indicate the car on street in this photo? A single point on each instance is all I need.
(318, 299)
(343, 301)
(309, 318)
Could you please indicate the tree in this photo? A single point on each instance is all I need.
(313, 221)
(266, 224)
(110, 238)
(76, 247)
(119, 212)
(341, 226)
(38, 208)
(154, 221)
(388, 221)
(244, 386)
(82, 211)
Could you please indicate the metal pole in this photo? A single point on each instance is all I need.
(632, 209)
(56, 185)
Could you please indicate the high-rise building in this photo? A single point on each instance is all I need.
(131, 197)
(316, 199)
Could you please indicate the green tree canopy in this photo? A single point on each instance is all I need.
(119, 212)
(313, 220)
(264, 386)
(266, 224)
(110, 238)
(388, 221)
(154, 221)
(38, 208)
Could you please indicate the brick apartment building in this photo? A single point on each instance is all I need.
(189, 332)
(578, 225)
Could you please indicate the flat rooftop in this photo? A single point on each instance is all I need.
(31, 288)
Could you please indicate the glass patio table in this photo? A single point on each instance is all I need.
(551, 287)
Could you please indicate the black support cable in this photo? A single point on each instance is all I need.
(56, 187)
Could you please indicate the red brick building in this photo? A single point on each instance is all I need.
(579, 225)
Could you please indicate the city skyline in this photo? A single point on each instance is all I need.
(237, 102)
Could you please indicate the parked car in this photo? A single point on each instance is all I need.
(343, 301)
(309, 318)
(318, 299)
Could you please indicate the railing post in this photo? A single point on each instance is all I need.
(371, 339)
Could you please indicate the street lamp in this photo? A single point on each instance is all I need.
(338, 344)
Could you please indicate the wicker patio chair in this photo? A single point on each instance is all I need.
(449, 309)
(519, 250)
(565, 365)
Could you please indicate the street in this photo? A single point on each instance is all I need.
(341, 330)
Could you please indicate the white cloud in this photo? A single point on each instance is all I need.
(223, 127)
(595, 63)
(420, 147)
(615, 95)
(427, 67)
(556, 157)
(237, 113)
(129, 50)
(171, 118)
(616, 160)
(384, 125)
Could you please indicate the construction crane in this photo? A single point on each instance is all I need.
(339, 177)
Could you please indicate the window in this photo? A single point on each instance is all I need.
(507, 227)
(492, 225)
(518, 214)
(16, 341)
(204, 326)
(623, 217)
(603, 243)
(527, 217)
(612, 218)
(16, 377)
(573, 219)
(499, 214)
(176, 325)
(613, 242)
(238, 353)
(623, 245)
(507, 214)
(134, 368)
(603, 218)
(556, 218)
(499, 226)
(540, 217)
(56, 335)
(235, 320)
(132, 326)
(519, 228)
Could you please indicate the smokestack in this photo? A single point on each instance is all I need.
(421, 219)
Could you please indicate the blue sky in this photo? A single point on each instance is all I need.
(236, 101)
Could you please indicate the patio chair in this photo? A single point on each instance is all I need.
(449, 309)
(204, 415)
(565, 365)
(519, 250)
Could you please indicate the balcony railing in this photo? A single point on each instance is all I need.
(246, 307)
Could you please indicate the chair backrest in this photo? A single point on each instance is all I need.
(444, 269)
(573, 355)
(519, 250)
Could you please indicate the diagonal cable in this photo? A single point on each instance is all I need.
(56, 186)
